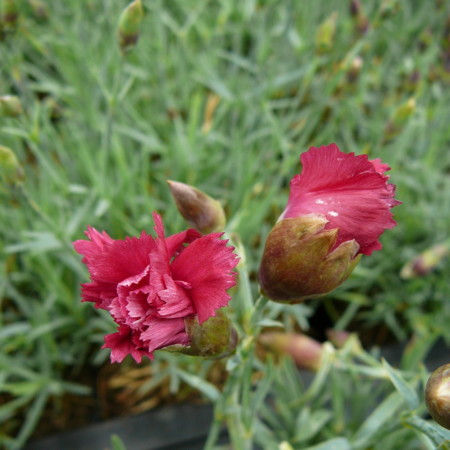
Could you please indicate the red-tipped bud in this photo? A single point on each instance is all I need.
(200, 210)
(215, 338)
(338, 337)
(424, 263)
(129, 26)
(355, 8)
(305, 351)
(437, 395)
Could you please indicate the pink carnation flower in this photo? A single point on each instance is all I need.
(150, 285)
(338, 207)
(351, 192)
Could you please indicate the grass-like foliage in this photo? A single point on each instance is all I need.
(224, 95)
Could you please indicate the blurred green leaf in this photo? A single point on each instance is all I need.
(405, 390)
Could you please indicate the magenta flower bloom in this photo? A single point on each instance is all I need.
(338, 207)
(155, 286)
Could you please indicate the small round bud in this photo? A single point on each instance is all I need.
(201, 211)
(10, 106)
(437, 395)
(215, 338)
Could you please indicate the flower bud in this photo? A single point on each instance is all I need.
(398, 119)
(326, 32)
(355, 8)
(338, 207)
(424, 263)
(10, 13)
(356, 11)
(355, 69)
(129, 26)
(437, 395)
(215, 338)
(305, 351)
(10, 106)
(200, 210)
(338, 337)
(39, 9)
(10, 168)
(300, 261)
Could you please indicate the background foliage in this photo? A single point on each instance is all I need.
(223, 95)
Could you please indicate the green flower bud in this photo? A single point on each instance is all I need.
(201, 211)
(129, 26)
(10, 13)
(399, 118)
(10, 169)
(326, 33)
(39, 9)
(10, 106)
(298, 261)
(215, 338)
(437, 395)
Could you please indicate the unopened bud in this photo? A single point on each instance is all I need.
(405, 110)
(389, 8)
(39, 8)
(326, 32)
(10, 169)
(356, 11)
(215, 338)
(425, 262)
(10, 13)
(338, 337)
(355, 8)
(355, 69)
(10, 106)
(299, 261)
(305, 351)
(437, 395)
(129, 26)
(201, 211)
(398, 118)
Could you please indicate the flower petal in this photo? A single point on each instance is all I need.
(122, 344)
(177, 303)
(111, 261)
(207, 264)
(164, 332)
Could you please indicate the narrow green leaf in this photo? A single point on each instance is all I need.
(32, 417)
(382, 414)
(117, 443)
(206, 388)
(405, 390)
(437, 434)
(333, 444)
